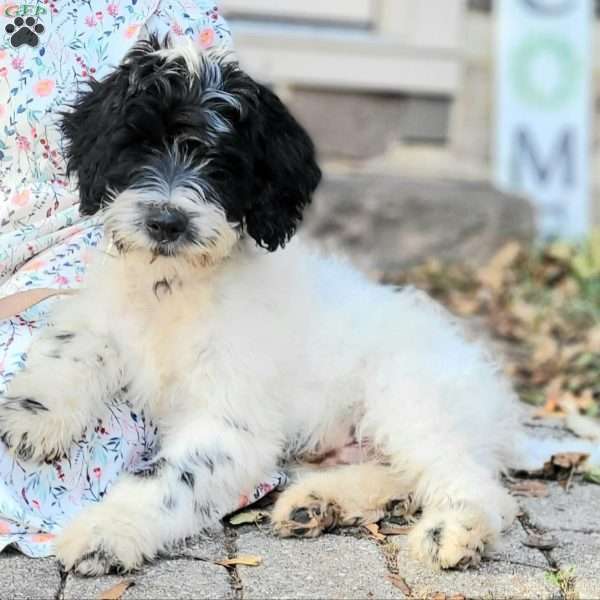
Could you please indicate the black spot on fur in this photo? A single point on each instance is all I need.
(188, 479)
(169, 502)
(24, 449)
(208, 462)
(152, 469)
(162, 286)
(204, 509)
(300, 531)
(435, 534)
(245, 147)
(32, 406)
(65, 337)
(235, 424)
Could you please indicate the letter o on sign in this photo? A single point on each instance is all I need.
(567, 68)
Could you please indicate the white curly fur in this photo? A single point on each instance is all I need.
(260, 357)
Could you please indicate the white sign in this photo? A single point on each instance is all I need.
(543, 110)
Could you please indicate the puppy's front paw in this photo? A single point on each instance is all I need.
(32, 431)
(92, 545)
(451, 538)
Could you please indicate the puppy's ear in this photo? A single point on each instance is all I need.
(98, 127)
(89, 131)
(285, 170)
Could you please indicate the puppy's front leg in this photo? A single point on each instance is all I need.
(195, 481)
(70, 370)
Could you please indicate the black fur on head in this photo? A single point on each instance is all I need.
(171, 122)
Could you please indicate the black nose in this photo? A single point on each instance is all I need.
(166, 225)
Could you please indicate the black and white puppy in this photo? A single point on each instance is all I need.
(247, 357)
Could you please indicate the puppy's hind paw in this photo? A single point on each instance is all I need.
(306, 519)
(451, 538)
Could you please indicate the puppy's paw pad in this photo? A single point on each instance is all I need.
(306, 520)
(400, 508)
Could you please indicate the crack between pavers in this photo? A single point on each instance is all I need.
(231, 549)
(390, 552)
(530, 527)
(60, 592)
(586, 530)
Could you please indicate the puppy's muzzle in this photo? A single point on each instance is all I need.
(166, 225)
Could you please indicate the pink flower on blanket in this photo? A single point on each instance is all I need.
(4, 527)
(112, 9)
(17, 63)
(43, 87)
(176, 28)
(20, 198)
(206, 37)
(23, 143)
(90, 21)
(132, 30)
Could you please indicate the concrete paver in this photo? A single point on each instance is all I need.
(27, 578)
(333, 566)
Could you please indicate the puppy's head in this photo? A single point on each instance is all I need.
(185, 153)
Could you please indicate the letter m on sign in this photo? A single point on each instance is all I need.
(553, 165)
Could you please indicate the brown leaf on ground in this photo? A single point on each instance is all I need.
(493, 274)
(530, 487)
(541, 542)
(373, 530)
(117, 591)
(567, 460)
(390, 530)
(400, 583)
(247, 560)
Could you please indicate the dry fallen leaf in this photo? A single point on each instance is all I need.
(493, 274)
(530, 487)
(247, 560)
(117, 591)
(249, 517)
(373, 530)
(400, 583)
(541, 542)
(389, 530)
(568, 460)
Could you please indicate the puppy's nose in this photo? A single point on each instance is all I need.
(166, 225)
